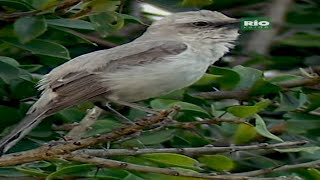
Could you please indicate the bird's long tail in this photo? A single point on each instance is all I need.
(23, 128)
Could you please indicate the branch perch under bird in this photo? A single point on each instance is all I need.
(50, 151)
(245, 93)
(107, 163)
(194, 151)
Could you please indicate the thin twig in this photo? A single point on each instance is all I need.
(107, 163)
(94, 39)
(208, 121)
(50, 151)
(300, 82)
(245, 93)
(91, 117)
(312, 164)
(189, 151)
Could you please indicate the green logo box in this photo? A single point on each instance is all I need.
(255, 23)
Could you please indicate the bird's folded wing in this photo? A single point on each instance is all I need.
(75, 86)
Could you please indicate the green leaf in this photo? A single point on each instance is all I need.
(311, 149)
(43, 47)
(8, 69)
(247, 111)
(302, 40)
(314, 101)
(291, 100)
(248, 76)
(243, 111)
(197, 3)
(188, 107)
(189, 138)
(217, 162)
(69, 170)
(29, 27)
(262, 87)
(130, 18)
(31, 67)
(37, 164)
(102, 126)
(9, 60)
(299, 123)
(16, 4)
(98, 6)
(151, 138)
(284, 78)
(262, 129)
(172, 160)
(228, 78)
(315, 173)
(206, 79)
(10, 172)
(71, 23)
(106, 23)
(31, 171)
(8, 116)
(43, 4)
(244, 134)
(132, 177)
(73, 33)
(152, 176)
(22, 89)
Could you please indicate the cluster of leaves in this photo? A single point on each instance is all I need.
(52, 33)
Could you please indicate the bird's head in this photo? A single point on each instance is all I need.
(202, 26)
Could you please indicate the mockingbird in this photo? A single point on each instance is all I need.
(172, 54)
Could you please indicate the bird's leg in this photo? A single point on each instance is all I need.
(136, 106)
(107, 107)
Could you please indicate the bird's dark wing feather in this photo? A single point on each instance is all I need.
(79, 86)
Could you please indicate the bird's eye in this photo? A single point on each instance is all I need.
(200, 24)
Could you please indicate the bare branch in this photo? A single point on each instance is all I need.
(300, 82)
(312, 164)
(189, 151)
(94, 39)
(208, 121)
(107, 163)
(245, 93)
(51, 151)
(91, 117)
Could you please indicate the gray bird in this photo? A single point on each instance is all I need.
(172, 54)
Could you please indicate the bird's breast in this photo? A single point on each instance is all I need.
(155, 79)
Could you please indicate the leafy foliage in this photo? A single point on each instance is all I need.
(37, 36)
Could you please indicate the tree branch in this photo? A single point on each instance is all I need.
(189, 151)
(94, 39)
(245, 93)
(51, 151)
(312, 164)
(91, 117)
(107, 163)
(207, 121)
